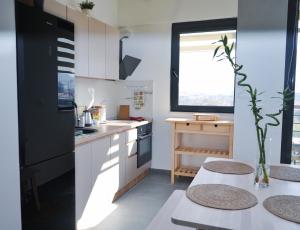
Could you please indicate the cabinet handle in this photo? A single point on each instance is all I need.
(187, 124)
(216, 126)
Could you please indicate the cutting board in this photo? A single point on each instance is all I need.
(123, 112)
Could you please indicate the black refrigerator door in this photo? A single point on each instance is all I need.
(46, 132)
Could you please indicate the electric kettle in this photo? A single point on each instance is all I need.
(88, 117)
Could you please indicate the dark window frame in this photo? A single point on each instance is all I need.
(289, 80)
(194, 27)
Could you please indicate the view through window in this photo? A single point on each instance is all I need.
(296, 125)
(203, 81)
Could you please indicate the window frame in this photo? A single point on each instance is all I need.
(194, 27)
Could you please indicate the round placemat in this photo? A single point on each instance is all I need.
(285, 173)
(228, 167)
(284, 206)
(221, 196)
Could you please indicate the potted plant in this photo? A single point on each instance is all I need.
(86, 6)
(224, 52)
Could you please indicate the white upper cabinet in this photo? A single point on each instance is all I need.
(96, 48)
(55, 8)
(81, 27)
(112, 53)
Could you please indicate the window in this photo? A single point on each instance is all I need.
(199, 83)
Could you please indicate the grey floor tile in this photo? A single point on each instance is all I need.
(138, 207)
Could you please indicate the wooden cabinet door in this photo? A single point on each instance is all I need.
(55, 8)
(112, 53)
(83, 175)
(96, 49)
(81, 27)
(118, 156)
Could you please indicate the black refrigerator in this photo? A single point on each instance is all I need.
(45, 70)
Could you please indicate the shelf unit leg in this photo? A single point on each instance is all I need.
(173, 156)
(230, 143)
(172, 177)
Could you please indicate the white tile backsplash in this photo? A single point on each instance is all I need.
(115, 93)
(106, 92)
(127, 89)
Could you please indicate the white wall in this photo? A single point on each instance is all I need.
(261, 49)
(150, 40)
(10, 212)
(106, 92)
(104, 10)
(143, 12)
(126, 97)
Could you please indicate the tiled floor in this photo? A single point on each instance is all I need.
(136, 209)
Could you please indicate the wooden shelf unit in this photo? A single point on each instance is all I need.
(187, 171)
(202, 152)
(187, 126)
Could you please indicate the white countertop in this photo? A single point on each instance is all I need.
(107, 129)
(188, 213)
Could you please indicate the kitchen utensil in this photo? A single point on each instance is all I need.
(88, 117)
(123, 112)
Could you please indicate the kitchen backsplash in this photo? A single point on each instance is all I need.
(115, 93)
(139, 96)
(105, 92)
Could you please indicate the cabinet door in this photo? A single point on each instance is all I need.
(100, 157)
(131, 168)
(83, 175)
(81, 27)
(55, 8)
(112, 53)
(118, 156)
(96, 49)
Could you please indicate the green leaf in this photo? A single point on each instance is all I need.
(225, 40)
(227, 50)
(216, 51)
(220, 54)
(231, 48)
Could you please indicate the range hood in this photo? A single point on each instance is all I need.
(128, 64)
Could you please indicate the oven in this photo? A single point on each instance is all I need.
(144, 144)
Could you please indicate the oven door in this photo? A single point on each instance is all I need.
(144, 153)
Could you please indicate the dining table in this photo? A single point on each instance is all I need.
(190, 214)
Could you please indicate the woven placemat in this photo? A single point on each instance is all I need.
(285, 173)
(284, 206)
(228, 167)
(221, 196)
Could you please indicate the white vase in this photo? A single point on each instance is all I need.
(86, 11)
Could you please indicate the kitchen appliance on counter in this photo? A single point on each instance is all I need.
(45, 69)
(144, 144)
(88, 118)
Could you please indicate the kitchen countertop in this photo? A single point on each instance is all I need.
(107, 129)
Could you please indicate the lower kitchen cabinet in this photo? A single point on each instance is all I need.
(83, 175)
(100, 173)
(131, 168)
(103, 168)
(100, 157)
(117, 158)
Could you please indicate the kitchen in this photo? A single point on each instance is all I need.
(112, 68)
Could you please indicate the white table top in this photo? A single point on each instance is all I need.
(191, 214)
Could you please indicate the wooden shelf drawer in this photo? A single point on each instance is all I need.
(215, 128)
(188, 126)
